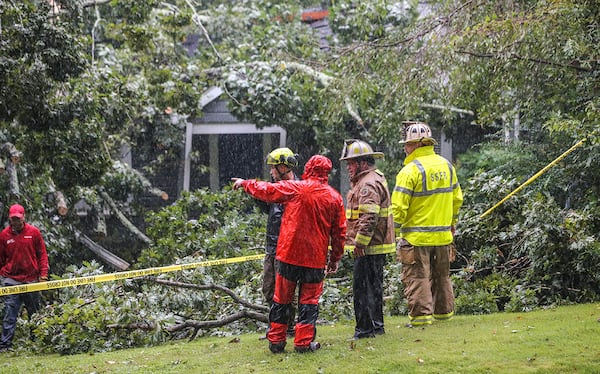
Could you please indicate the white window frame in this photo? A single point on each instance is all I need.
(218, 129)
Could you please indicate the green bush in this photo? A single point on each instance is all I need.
(546, 251)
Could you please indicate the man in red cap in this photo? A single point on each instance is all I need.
(23, 259)
(313, 218)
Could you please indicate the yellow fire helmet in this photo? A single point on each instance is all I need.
(283, 156)
(354, 148)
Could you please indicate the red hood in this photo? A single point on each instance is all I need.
(317, 167)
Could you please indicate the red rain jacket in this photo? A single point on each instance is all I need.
(313, 217)
(23, 255)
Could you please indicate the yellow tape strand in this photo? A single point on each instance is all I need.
(73, 282)
(534, 177)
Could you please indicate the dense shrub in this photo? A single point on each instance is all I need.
(542, 251)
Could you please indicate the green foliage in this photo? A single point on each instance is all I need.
(396, 304)
(526, 56)
(491, 294)
(51, 126)
(205, 225)
(544, 248)
(356, 21)
(336, 302)
(81, 320)
(475, 297)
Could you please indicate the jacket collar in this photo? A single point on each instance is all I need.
(358, 176)
(421, 151)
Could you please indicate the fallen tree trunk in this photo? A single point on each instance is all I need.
(219, 323)
(148, 326)
(14, 156)
(113, 260)
(126, 222)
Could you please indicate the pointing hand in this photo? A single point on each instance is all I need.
(237, 183)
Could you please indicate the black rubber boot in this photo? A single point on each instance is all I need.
(313, 346)
(277, 347)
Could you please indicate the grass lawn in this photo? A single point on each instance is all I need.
(565, 339)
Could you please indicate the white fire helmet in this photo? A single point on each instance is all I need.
(417, 132)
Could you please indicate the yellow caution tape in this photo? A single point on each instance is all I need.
(534, 177)
(73, 282)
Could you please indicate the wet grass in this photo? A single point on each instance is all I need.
(560, 340)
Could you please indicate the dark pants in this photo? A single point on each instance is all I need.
(268, 282)
(12, 307)
(368, 295)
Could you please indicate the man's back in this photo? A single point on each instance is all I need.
(426, 198)
(313, 214)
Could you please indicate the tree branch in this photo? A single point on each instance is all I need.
(261, 313)
(197, 21)
(217, 287)
(429, 28)
(92, 3)
(124, 219)
(115, 261)
(148, 326)
(59, 198)
(221, 322)
(144, 181)
(516, 56)
(14, 156)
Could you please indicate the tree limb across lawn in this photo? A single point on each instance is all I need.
(255, 311)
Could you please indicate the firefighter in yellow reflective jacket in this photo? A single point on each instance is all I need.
(425, 204)
(369, 235)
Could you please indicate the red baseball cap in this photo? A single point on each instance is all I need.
(16, 211)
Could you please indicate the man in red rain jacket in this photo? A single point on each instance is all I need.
(313, 218)
(23, 259)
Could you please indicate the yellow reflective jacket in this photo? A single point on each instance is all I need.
(426, 199)
(369, 214)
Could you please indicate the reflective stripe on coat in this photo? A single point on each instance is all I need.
(369, 214)
(426, 199)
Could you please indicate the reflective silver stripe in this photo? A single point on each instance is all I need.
(433, 192)
(426, 191)
(404, 190)
(426, 229)
(451, 174)
(423, 175)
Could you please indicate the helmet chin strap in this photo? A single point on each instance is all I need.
(360, 168)
(280, 174)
